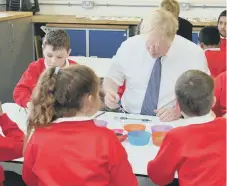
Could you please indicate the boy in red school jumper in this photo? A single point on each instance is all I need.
(222, 29)
(11, 144)
(220, 94)
(197, 152)
(209, 41)
(67, 148)
(56, 50)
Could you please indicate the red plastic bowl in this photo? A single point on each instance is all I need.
(120, 135)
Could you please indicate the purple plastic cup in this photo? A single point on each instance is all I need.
(101, 123)
(159, 132)
(161, 128)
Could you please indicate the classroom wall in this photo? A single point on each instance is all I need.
(73, 7)
(2, 6)
(209, 13)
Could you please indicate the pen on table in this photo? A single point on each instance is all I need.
(99, 114)
(121, 108)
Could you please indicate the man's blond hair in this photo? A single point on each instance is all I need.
(172, 6)
(160, 21)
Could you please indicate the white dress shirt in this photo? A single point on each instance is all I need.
(134, 64)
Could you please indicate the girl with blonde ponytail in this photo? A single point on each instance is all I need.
(185, 27)
(66, 147)
(173, 6)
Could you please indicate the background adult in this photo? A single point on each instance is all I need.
(150, 64)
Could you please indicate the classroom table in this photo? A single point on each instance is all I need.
(16, 114)
(100, 66)
(138, 156)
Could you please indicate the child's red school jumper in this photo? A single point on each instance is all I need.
(76, 153)
(197, 152)
(216, 59)
(220, 94)
(26, 84)
(223, 44)
(11, 145)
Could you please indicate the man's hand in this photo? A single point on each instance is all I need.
(111, 99)
(168, 114)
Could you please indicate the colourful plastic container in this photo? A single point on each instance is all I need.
(101, 123)
(118, 131)
(159, 132)
(139, 138)
(120, 135)
(134, 127)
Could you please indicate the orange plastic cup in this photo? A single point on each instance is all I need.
(133, 127)
(158, 133)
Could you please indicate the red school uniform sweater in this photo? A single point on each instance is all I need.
(11, 144)
(197, 152)
(76, 153)
(28, 81)
(223, 44)
(220, 94)
(216, 60)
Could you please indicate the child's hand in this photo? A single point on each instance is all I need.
(1, 111)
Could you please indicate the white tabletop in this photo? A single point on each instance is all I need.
(16, 114)
(100, 66)
(138, 156)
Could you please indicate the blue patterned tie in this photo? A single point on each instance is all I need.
(150, 101)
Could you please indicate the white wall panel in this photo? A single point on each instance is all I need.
(60, 7)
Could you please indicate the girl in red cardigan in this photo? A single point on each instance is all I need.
(11, 144)
(67, 148)
(56, 50)
(222, 29)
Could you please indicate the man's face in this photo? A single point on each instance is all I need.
(222, 26)
(157, 45)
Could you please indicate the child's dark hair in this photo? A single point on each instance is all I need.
(223, 14)
(60, 94)
(57, 38)
(209, 36)
(195, 93)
